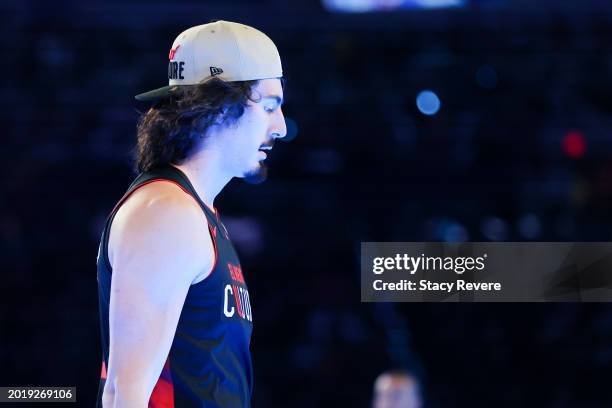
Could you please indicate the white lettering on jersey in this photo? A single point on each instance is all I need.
(228, 313)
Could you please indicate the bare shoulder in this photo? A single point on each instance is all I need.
(160, 224)
(161, 197)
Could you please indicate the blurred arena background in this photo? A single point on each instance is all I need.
(480, 121)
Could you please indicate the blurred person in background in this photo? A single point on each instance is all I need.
(397, 389)
(175, 313)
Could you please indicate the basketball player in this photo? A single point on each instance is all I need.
(175, 314)
(397, 389)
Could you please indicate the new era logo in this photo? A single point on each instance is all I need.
(215, 71)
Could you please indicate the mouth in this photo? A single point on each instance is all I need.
(263, 151)
(262, 154)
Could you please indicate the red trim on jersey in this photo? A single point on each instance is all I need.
(213, 234)
(103, 372)
(163, 393)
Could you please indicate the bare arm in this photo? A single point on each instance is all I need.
(159, 245)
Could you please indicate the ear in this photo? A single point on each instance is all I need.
(220, 117)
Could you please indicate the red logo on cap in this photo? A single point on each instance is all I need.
(173, 51)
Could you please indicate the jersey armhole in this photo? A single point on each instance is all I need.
(212, 233)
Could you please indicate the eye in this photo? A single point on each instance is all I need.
(270, 108)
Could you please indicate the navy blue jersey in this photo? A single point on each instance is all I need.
(209, 363)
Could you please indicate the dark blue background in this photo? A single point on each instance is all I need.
(366, 165)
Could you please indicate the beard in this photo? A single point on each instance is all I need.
(258, 175)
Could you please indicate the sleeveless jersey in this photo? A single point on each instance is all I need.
(209, 363)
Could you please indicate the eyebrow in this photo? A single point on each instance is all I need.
(278, 99)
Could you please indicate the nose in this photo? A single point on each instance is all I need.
(279, 127)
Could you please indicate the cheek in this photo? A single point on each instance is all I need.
(258, 121)
(251, 133)
(255, 133)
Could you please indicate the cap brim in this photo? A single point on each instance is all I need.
(155, 94)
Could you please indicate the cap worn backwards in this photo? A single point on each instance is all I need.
(226, 50)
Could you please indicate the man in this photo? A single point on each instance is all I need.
(174, 306)
(397, 389)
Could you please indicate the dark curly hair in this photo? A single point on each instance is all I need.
(171, 128)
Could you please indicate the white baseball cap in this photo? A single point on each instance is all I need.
(226, 50)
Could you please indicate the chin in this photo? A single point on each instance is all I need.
(256, 175)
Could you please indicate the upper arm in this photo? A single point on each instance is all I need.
(160, 244)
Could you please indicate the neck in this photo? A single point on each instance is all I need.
(205, 172)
